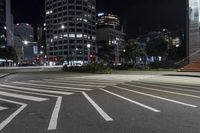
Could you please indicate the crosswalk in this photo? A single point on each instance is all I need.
(59, 88)
(44, 90)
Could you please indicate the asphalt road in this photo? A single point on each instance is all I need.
(73, 103)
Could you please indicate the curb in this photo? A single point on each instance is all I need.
(4, 75)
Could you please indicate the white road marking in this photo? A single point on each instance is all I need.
(36, 90)
(171, 88)
(54, 117)
(132, 101)
(3, 108)
(99, 109)
(154, 96)
(171, 92)
(180, 86)
(26, 97)
(59, 83)
(12, 116)
(88, 82)
(60, 87)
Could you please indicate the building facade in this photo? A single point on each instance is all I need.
(25, 47)
(6, 24)
(70, 29)
(109, 36)
(25, 31)
(2, 24)
(9, 25)
(110, 20)
(193, 29)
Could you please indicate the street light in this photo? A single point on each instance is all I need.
(25, 42)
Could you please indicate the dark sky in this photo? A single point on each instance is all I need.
(137, 16)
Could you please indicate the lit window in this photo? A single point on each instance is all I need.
(72, 35)
(79, 35)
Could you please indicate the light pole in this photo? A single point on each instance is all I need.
(88, 46)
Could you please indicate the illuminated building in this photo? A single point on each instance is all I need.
(110, 35)
(70, 28)
(110, 20)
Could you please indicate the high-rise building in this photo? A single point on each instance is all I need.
(110, 20)
(193, 29)
(9, 25)
(41, 44)
(70, 29)
(25, 31)
(109, 34)
(2, 23)
(24, 44)
(6, 24)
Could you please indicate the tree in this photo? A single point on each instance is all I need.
(8, 53)
(131, 51)
(106, 53)
(157, 47)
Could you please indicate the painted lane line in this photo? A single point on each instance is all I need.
(36, 90)
(51, 86)
(171, 92)
(2, 108)
(26, 97)
(99, 109)
(58, 83)
(54, 118)
(90, 80)
(12, 116)
(44, 88)
(87, 82)
(132, 101)
(176, 85)
(154, 96)
(171, 88)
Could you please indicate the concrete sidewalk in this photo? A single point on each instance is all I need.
(149, 76)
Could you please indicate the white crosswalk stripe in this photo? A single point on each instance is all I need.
(60, 87)
(158, 97)
(13, 115)
(86, 82)
(26, 97)
(36, 90)
(3, 108)
(71, 84)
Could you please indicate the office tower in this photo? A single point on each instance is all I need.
(193, 29)
(25, 47)
(70, 29)
(110, 35)
(2, 24)
(110, 20)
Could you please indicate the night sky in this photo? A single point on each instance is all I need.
(137, 16)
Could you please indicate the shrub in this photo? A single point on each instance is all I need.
(98, 68)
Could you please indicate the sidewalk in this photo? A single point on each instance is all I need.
(171, 77)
